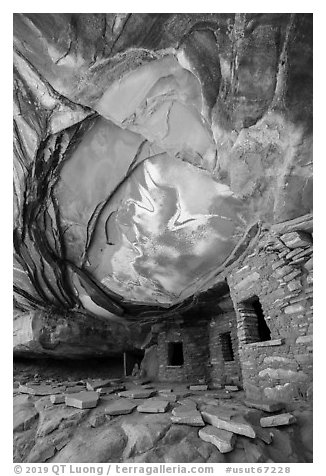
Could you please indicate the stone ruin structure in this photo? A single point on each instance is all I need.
(163, 198)
(260, 335)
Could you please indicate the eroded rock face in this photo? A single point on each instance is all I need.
(148, 148)
(71, 335)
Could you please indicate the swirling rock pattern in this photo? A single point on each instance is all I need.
(147, 146)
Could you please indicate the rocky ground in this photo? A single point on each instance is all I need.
(134, 420)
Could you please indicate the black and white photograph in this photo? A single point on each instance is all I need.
(162, 241)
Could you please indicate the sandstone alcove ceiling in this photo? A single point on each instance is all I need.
(150, 151)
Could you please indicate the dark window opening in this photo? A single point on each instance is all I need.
(227, 350)
(175, 353)
(263, 329)
(254, 324)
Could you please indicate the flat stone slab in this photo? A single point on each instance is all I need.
(183, 409)
(278, 420)
(97, 383)
(296, 239)
(182, 393)
(137, 393)
(153, 405)
(110, 390)
(227, 413)
(185, 415)
(219, 396)
(170, 397)
(202, 400)
(304, 339)
(106, 399)
(74, 383)
(122, 406)
(82, 399)
(165, 390)
(227, 420)
(38, 390)
(266, 406)
(222, 439)
(267, 343)
(58, 398)
(141, 381)
(188, 402)
(231, 388)
(224, 396)
(198, 387)
(117, 380)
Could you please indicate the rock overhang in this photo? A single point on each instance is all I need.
(154, 192)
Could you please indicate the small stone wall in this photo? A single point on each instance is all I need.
(223, 372)
(195, 352)
(279, 271)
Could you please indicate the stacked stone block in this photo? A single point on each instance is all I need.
(279, 271)
(195, 353)
(247, 325)
(222, 372)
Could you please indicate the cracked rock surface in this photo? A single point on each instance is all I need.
(150, 149)
(48, 432)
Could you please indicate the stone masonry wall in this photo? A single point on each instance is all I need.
(195, 351)
(280, 272)
(223, 372)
